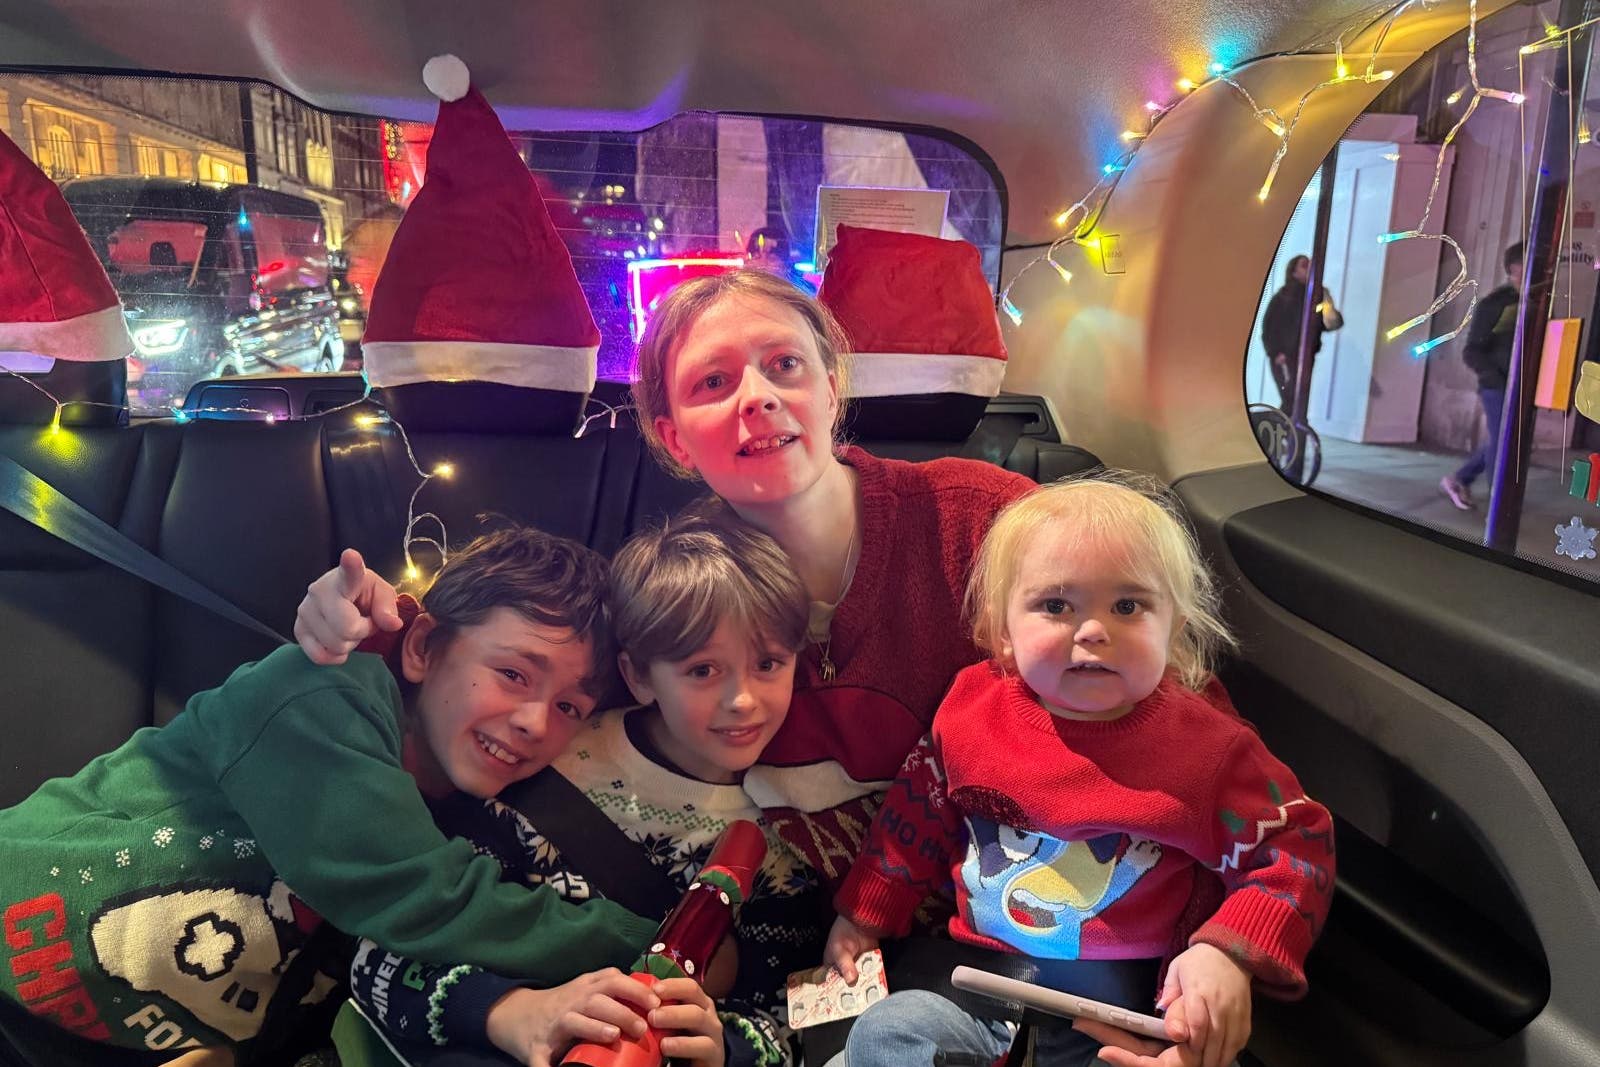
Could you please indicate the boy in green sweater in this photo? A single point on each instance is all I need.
(164, 898)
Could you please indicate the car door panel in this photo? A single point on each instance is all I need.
(1468, 890)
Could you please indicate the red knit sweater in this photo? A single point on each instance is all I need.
(1083, 840)
(898, 638)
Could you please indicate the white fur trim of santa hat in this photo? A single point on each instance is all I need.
(392, 363)
(915, 373)
(96, 337)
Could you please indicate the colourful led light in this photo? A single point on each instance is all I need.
(1186, 85)
(1013, 312)
(444, 470)
(1396, 331)
(1066, 275)
(1428, 346)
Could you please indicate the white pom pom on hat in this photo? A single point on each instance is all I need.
(446, 77)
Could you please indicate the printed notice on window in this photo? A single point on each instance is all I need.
(901, 210)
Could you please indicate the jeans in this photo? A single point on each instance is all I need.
(916, 1028)
(1494, 402)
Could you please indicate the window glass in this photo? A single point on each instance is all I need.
(212, 203)
(1399, 408)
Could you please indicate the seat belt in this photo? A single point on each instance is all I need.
(590, 843)
(36, 501)
(994, 438)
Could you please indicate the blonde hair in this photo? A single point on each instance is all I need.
(677, 314)
(670, 589)
(1136, 515)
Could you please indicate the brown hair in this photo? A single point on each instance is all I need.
(546, 579)
(676, 315)
(670, 588)
(1136, 513)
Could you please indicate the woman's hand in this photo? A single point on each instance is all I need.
(846, 942)
(342, 609)
(688, 1022)
(534, 1026)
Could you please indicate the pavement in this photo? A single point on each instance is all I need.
(1403, 480)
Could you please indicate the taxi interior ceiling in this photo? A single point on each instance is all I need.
(1043, 87)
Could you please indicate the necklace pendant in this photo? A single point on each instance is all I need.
(828, 670)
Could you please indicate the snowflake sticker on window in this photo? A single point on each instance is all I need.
(1575, 540)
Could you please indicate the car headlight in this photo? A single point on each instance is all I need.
(160, 336)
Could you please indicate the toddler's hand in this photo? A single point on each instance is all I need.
(1209, 994)
(846, 941)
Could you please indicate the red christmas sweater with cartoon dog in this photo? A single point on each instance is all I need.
(1083, 840)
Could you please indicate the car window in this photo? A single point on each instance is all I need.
(1374, 387)
(245, 229)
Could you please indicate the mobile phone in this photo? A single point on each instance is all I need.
(1056, 1002)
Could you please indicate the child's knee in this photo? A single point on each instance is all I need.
(907, 1017)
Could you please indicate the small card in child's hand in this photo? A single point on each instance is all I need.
(820, 995)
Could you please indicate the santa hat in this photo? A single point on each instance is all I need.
(919, 312)
(477, 285)
(55, 298)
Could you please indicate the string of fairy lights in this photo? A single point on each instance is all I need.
(1078, 221)
(425, 528)
(411, 539)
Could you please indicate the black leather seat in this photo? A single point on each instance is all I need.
(256, 510)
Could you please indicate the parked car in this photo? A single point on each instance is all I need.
(215, 279)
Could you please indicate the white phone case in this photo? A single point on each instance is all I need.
(1055, 1002)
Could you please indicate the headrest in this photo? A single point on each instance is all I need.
(927, 351)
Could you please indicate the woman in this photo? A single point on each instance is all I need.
(1280, 327)
(741, 380)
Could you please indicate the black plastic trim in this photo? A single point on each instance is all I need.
(1520, 652)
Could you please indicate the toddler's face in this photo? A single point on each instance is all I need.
(1089, 635)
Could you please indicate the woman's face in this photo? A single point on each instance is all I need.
(750, 403)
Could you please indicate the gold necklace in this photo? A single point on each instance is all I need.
(829, 671)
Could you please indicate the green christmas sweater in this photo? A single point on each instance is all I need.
(160, 897)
